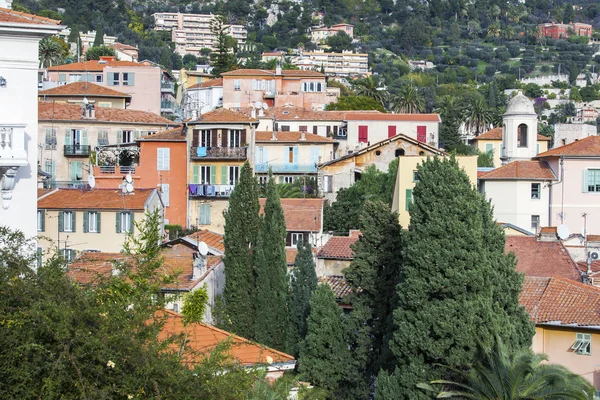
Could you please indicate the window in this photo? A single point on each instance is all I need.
(422, 133)
(76, 170)
(319, 87)
(91, 222)
(415, 176)
(204, 214)
(163, 160)
(535, 222)
(399, 152)
(50, 139)
(290, 155)
(363, 134)
(235, 137)
(102, 137)
(285, 128)
(204, 177)
(41, 220)
(127, 78)
(409, 198)
(113, 79)
(68, 254)
(234, 175)
(236, 84)
(50, 167)
(205, 138)
(536, 191)
(125, 136)
(165, 194)
(287, 179)
(258, 84)
(38, 256)
(262, 180)
(66, 221)
(124, 222)
(99, 78)
(74, 77)
(295, 238)
(522, 136)
(591, 180)
(489, 148)
(583, 344)
(328, 183)
(391, 131)
(303, 128)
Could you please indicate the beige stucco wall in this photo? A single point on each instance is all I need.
(481, 145)
(217, 220)
(331, 267)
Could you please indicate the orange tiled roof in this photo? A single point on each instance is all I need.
(213, 82)
(543, 259)
(592, 238)
(82, 89)
(594, 266)
(95, 199)
(588, 147)
(338, 285)
(223, 115)
(266, 72)
(212, 239)
(339, 247)
(97, 65)
(44, 192)
(292, 113)
(171, 135)
(203, 338)
(560, 301)
(301, 215)
(522, 170)
(122, 46)
(496, 134)
(54, 111)
(289, 136)
(17, 17)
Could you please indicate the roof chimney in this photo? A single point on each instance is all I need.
(278, 67)
(302, 135)
(198, 266)
(548, 234)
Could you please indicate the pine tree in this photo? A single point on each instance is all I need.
(458, 287)
(99, 38)
(323, 354)
(241, 231)
(222, 58)
(303, 283)
(271, 274)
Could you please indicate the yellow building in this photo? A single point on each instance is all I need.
(407, 178)
(491, 141)
(77, 220)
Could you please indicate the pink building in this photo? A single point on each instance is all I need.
(320, 34)
(306, 89)
(557, 31)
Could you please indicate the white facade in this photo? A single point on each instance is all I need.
(18, 121)
(336, 64)
(201, 100)
(519, 136)
(568, 133)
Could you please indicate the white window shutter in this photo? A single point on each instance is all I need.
(165, 194)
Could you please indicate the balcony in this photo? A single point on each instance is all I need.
(77, 150)
(167, 87)
(286, 168)
(114, 170)
(75, 184)
(209, 191)
(167, 106)
(236, 153)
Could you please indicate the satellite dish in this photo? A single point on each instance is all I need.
(128, 178)
(129, 188)
(202, 248)
(563, 232)
(594, 255)
(85, 100)
(91, 181)
(265, 106)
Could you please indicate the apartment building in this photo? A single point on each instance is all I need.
(87, 39)
(319, 34)
(346, 63)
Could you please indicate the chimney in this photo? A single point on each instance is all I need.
(278, 67)
(548, 234)
(253, 113)
(261, 112)
(302, 135)
(107, 58)
(198, 266)
(273, 135)
(354, 233)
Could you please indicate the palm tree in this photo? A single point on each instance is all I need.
(51, 52)
(409, 100)
(370, 87)
(478, 115)
(449, 109)
(520, 376)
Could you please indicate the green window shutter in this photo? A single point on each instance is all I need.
(43, 221)
(213, 174)
(131, 222)
(84, 138)
(68, 137)
(119, 137)
(86, 221)
(73, 221)
(537, 151)
(196, 174)
(118, 223)
(489, 148)
(38, 256)
(62, 77)
(98, 222)
(585, 181)
(61, 221)
(409, 198)
(224, 175)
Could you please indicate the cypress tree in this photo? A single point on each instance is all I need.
(241, 231)
(99, 38)
(457, 287)
(303, 283)
(222, 58)
(323, 353)
(271, 274)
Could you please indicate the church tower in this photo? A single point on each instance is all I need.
(519, 135)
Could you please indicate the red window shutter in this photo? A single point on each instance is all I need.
(422, 134)
(363, 134)
(391, 131)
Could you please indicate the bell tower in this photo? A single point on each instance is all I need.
(519, 135)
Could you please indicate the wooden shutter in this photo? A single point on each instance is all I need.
(68, 137)
(86, 221)
(119, 136)
(295, 160)
(84, 137)
(224, 180)
(335, 130)
(314, 155)
(422, 133)
(224, 137)
(243, 138)
(213, 174)
(61, 221)
(43, 221)
(73, 220)
(98, 224)
(131, 219)
(196, 174)
(315, 130)
(165, 194)
(195, 138)
(214, 140)
(118, 222)
(328, 130)
(391, 131)
(288, 239)
(363, 134)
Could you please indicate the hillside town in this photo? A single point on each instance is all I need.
(262, 221)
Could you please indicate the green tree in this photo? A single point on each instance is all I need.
(52, 51)
(339, 42)
(271, 274)
(452, 117)
(409, 100)
(242, 226)
(99, 38)
(355, 103)
(465, 288)
(303, 283)
(569, 14)
(323, 352)
(370, 87)
(478, 115)
(194, 305)
(95, 52)
(222, 58)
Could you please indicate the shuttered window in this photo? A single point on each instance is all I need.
(41, 220)
(50, 139)
(124, 222)
(409, 198)
(204, 214)
(363, 134)
(163, 162)
(165, 194)
(66, 221)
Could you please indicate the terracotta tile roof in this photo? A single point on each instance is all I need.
(521, 170)
(95, 199)
(496, 134)
(44, 192)
(212, 83)
(560, 301)
(212, 239)
(83, 89)
(203, 338)
(588, 147)
(91, 267)
(265, 72)
(171, 135)
(17, 17)
(392, 117)
(338, 247)
(338, 285)
(223, 115)
(544, 259)
(290, 255)
(122, 46)
(289, 136)
(301, 215)
(54, 111)
(548, 229)
(292, 113)
(97, 65)
(592, 238)
(594, 266)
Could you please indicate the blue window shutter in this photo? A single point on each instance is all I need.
(61, 221)
(131, 226)
(489, 148)
(585, 181)
(86, 221)
(68, 137)
(295, 154)
(98, 222)
(62, 77)
(118, 223)
(84, 137)
(43, 220)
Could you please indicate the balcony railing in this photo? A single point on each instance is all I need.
(202, 190)
(167, 87)
(286, 168)
(81, 150)
(116, 170)
(219, 152)
(166, 105)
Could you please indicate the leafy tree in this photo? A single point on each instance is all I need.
(95, 52)
(190, 61)
(52, 51)
(323, 353)
(355, 103)
(451, 113)
(303, 283)
(478, 115)
(339, 42)
(99, 38)
(242, 226)
(569, 14)
(465, 288)
(194, 305)
(271, 274)
(370, 87)
(222, 58)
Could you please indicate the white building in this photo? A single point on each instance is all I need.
(87, 39)
(346, 63)
(20, 34)
(569, 133)
(202, 98)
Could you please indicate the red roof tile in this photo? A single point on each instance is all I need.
(339, 247)
(55, 111)
(95, 199)
(496, 134)
(292, 113)
(212, 239)
(392, 117)
(301, 215)
(83, 89)
(223, 115)
(521, 170)
(588, 147)
(560, 301)
(338, 285)
(171, 135)
(122, 46)
(290, 255)
(17, 17)
(265, 72)
(592, 238)
(97, 65)
(544, 259)
(289, 137)
(211, 83)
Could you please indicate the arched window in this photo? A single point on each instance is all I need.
(312, 86)
(399, 152)
(522, 136)
(319, 87)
